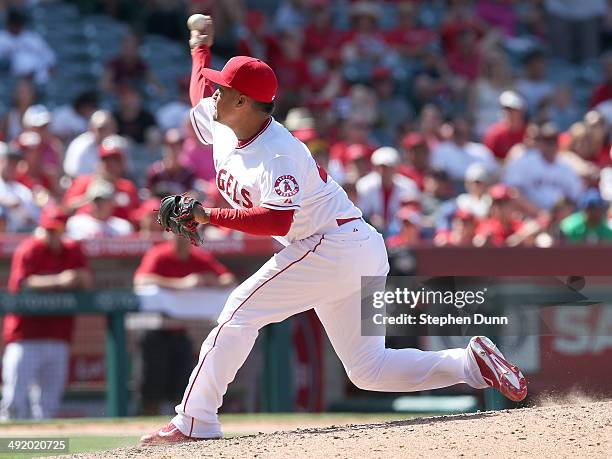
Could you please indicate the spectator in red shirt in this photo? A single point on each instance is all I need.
(111, 169)
(322, 36)
(503, 135)
(37, 348)
(255, 40)
(301, 124)
(462, 232)
(603, 91)
(501, 223)
(459, 19)
(409, 38)
(167, 352)
(169, 176)
(599, 134)
(416, 158)
(292, 69)
(358, 156)
(355, 131)
(464, 60)
(30, 170)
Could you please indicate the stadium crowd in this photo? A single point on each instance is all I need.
(445, 121)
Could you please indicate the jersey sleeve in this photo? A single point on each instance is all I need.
(20, 267)
(281, 184)
(202, 120)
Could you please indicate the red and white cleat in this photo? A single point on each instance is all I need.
(496, 370)
(169, 434)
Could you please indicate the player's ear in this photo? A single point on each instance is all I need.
(241, 101)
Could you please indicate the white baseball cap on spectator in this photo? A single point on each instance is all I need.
(513, 100)
(409, 196)
(299, 118)
(100, 189)
(28, 139)
(36, 116)
(476, 173)
(385, 156)
(113, 145)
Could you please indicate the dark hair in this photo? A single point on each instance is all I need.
(265, 107)
(16, 17)
(85, 98)
(532, 55)
(439, 174)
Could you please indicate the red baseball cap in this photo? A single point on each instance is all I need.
(357, 151)
(413, 139)
(53, 217)
(381, 73)
(250, 76)
(501, 192)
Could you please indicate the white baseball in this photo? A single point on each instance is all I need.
(197, 22)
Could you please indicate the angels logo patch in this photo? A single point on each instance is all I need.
(286, 186)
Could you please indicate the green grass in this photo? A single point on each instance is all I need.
(99, 443)
(82, 444)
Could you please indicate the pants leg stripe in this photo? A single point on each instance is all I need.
(232, 316)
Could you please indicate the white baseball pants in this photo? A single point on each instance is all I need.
(34, 374)
(324, 272)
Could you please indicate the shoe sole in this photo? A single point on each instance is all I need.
(497, 371)
(165, 441)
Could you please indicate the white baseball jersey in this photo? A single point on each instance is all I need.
(541, 182)
(455, 159)
(273, 170)
(85, 226)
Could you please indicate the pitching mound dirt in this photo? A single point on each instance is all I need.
(576, 430)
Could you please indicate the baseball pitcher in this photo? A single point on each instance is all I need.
(276, 188)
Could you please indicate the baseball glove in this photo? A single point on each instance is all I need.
(176, 215)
